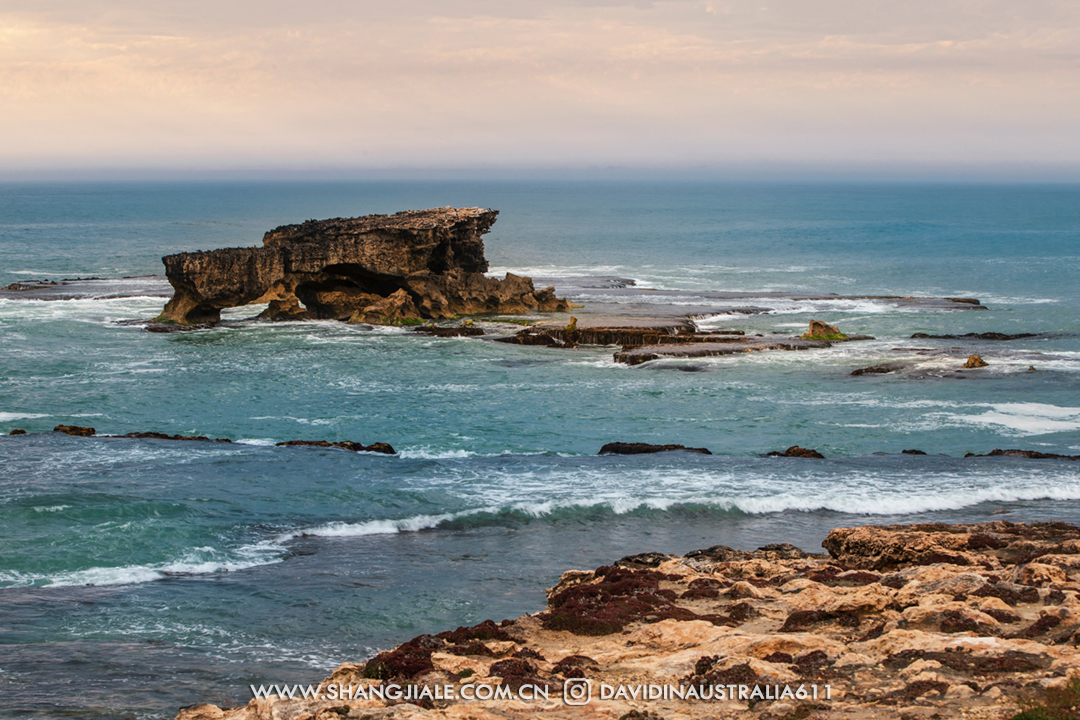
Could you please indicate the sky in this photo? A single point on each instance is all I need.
(937, 86)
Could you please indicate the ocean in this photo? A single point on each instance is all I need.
(140, 575)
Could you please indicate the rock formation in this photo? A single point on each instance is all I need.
(166, 436)
(823, 331)
(1029, 454)
(917, 621)
(883, 369)
(379, 447)
(713, 347)
(76, 430)
(379, 269)
(636, 448)
(796, 452)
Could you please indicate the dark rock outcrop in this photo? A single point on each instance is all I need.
(165, 436)
(883, 369)
(533, 336)
(156, 327)
(17, 431)
(638, 354)
(1030, 454)
(76, 430)
(573, 335)
(466, 329)
(379, 268)
(796, 452)
(621, 448)
(379, 447)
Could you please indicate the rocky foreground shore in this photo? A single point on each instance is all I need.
(915, 621)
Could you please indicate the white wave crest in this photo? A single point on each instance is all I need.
(872, 502)
(8, 417)
(426, 452)
(198, 561)
(373, 527)
(1025, 419)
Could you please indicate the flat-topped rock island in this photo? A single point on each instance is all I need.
(385, 269)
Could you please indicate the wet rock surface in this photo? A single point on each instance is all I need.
(573, 335)
(384, 269)
(682, 344)
(883, 369)
(466, 329)
(164, 436)
(80, 431)
(379, 447)
(929, 620)
(1029, 454)
(796, 452)
(622, 448)
(713, 348)
(156, 327)
(88, 288)
(76, 430)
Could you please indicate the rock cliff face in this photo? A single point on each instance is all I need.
(378, 269)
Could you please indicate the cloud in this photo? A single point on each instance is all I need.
(523, 81)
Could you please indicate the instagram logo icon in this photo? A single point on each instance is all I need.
(577, 691)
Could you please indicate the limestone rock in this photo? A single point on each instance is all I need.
(966, 621)
(975, 361)
(200, 712)
(1038, 574)
(378, 269)
(823, 331)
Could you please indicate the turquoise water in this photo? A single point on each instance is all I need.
(140, 575)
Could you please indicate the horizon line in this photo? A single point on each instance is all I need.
(765, 171)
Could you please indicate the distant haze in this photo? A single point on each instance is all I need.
(337, 86)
